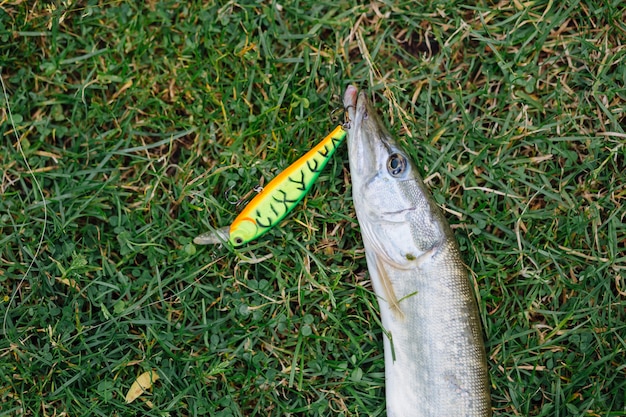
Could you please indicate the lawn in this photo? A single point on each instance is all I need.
(128, 128)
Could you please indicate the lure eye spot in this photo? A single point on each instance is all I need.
(396, 164)
(238, 240)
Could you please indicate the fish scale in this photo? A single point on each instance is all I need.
(435, 362)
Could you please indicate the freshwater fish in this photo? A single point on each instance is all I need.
(435, 361)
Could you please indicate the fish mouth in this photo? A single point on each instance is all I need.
(357, 108)
(363, 123)
(365, 141)
(350, 99)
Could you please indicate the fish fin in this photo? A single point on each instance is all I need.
(376, 254)
(390, 294)
(213, 237)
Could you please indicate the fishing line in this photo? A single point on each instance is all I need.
(43, 199)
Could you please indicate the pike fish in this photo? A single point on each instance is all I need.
(435, 362)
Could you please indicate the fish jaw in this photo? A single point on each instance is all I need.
(367, 138)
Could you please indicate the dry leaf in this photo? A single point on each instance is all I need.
(141, 384)
(69, 282)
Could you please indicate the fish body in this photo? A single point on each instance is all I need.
(435, 362)
(279, 197)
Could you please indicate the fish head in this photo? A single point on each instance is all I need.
(399, 221)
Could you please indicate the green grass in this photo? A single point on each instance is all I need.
(138, 124)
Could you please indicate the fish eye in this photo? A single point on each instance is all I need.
(396, 164)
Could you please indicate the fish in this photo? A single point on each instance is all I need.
(279, 197)
(435, 360)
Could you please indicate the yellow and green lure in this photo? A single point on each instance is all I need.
(279, 197)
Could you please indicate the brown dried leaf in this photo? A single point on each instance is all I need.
(141, 384)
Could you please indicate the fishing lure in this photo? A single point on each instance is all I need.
(279, 197)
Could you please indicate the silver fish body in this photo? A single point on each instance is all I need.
(435, 362)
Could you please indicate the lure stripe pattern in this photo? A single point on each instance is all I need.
(282, 194)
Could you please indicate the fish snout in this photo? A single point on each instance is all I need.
(350, 102)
